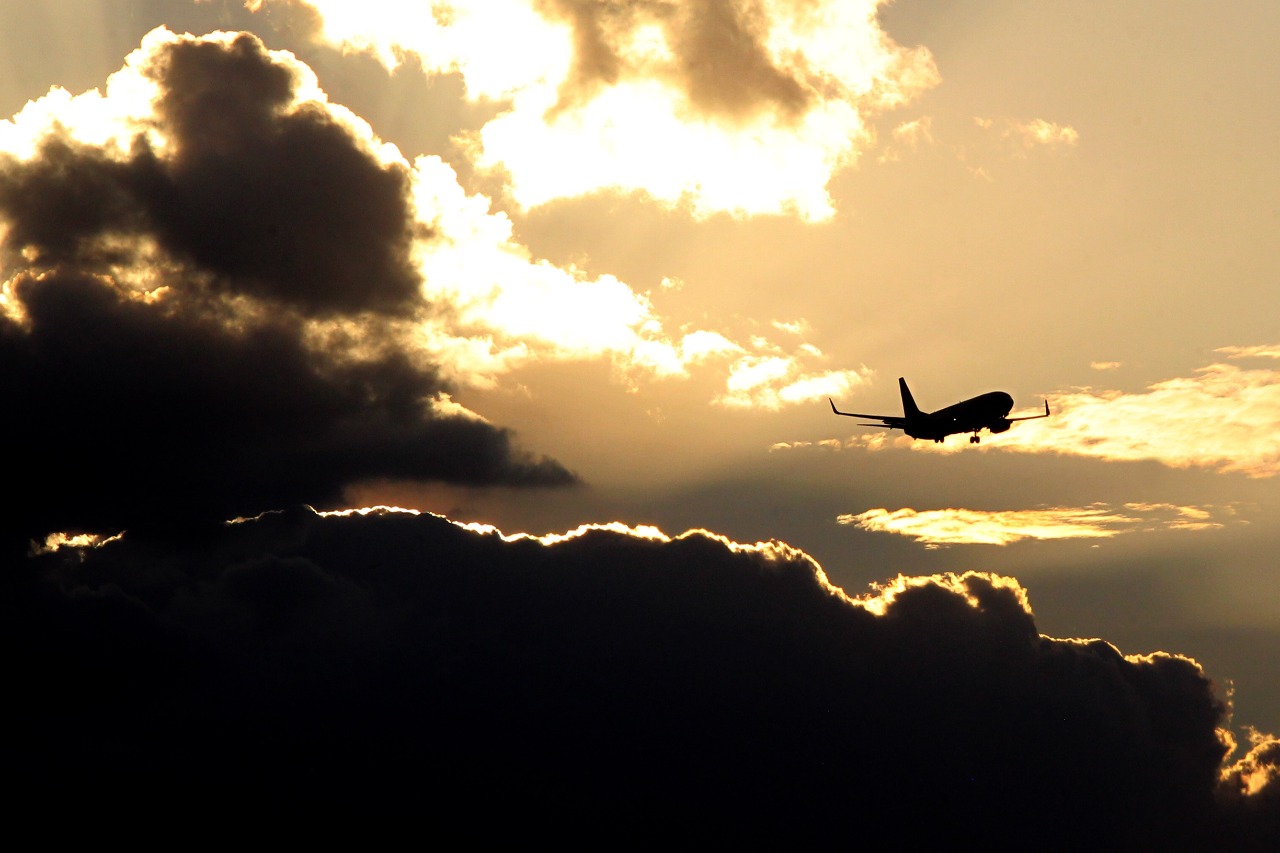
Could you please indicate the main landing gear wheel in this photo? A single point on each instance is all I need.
(973, 439)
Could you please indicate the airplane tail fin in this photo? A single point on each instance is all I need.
(909, 407)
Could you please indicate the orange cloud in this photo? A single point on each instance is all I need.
(968, 526)
(1223, 418)
(486, 305)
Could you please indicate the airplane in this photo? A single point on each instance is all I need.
(986, 411)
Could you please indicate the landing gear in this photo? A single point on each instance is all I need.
(974, 439)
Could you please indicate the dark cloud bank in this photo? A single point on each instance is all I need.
(394, 667)
(268, 218)
(397, 670)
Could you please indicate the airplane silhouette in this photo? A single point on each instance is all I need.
(985, 411)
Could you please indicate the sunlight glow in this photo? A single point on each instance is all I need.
(882, 595)
(1223, 418)
(55, 542)
(967, 526)
(489, 306)
(734, 108)
(771, 382)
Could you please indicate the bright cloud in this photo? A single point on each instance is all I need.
(1039, 132)
(488, 306)
(1035, 133)
(745, 107)
(1224, 418)
(909, 136)
(968, 526)
(1264, 351)
(774, 381)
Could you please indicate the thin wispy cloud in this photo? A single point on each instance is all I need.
(1030, 134)
(955, 526)
(908, 137)
(775, 381)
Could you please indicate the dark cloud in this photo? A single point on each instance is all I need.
(721, 59)
(125, 412)
(159, 355)
(281, 204)
(262, 197)
(609, 686)
(727, 68)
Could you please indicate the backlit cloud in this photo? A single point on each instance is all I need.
(1031, 134)
(604, 667)
(770, 381)
(908, 137)
(1224, 418)
(746, 106)
(210, 300)
(226, 230)
(1099, 521)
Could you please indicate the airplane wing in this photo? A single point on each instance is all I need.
(887, 421)
(1033, 417)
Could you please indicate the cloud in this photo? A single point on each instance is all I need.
(1223, 418)
(1033, 134)
(771, 382)
(868, 441)
(736, 106)
(1002, 527)
(222, 292)
(908, 136)
(1039, 133)
(382, 663)
(1264, 351)
(209, 284)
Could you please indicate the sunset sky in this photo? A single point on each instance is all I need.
(535, 265)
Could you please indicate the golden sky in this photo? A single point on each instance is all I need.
(645, 242)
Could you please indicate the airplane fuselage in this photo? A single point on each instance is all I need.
(986, 411)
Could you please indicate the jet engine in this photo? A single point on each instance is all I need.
(1001, 425)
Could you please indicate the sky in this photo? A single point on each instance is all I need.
(387, 369)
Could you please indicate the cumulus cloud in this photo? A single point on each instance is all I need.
(209, 276)
(1001, 527)
(382, 663)
(222, 291)
(719, 105)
